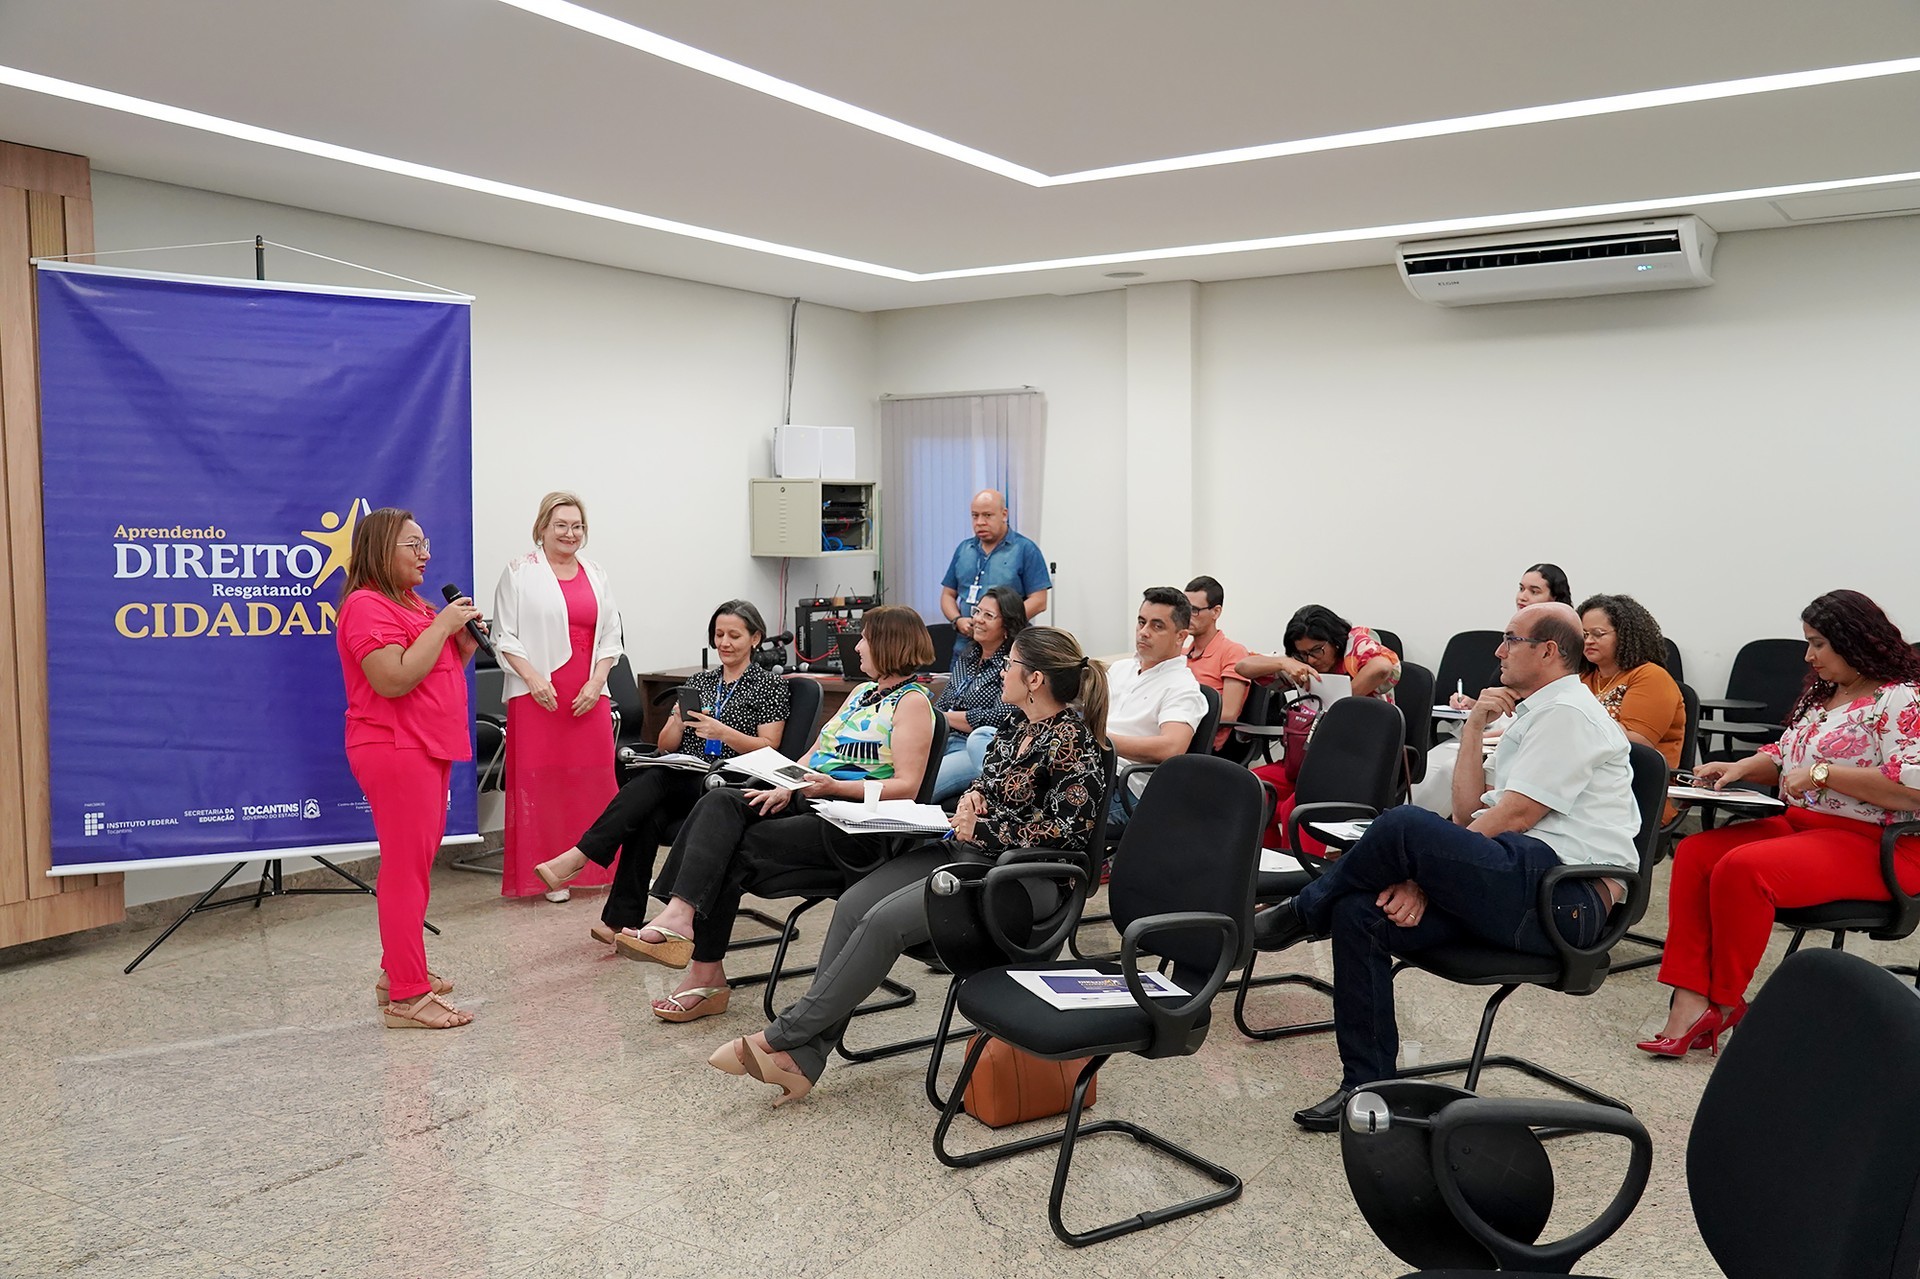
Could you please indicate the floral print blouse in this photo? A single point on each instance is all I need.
(1880, 731)
(1041, 783)
(1362, 648)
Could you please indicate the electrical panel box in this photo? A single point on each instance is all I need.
(808, 519)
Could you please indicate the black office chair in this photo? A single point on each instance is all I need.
(629, 714)
(1783, 1180)
(489, 751)
(978, 920)
(1572, 970)
(1201, 744)
(1669, 827)
(1762, 686)
(1414, 695)
(1240, 747)
(1193, 913)
(1674, 666)
(1353, 769)
(1892, 920)
(1467, 664)
(943, 636)
(1392, 641)
(816, 884)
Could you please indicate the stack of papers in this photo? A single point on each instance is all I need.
(1444, 711)
(1338, 832)
(770, 766)
(1750, 798)
(1330, 688)
(892, 815)
(1085, 988)
(1275, 862)
(691, 763)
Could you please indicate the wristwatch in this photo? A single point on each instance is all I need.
(1820, 772)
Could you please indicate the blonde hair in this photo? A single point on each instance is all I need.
(552, 502)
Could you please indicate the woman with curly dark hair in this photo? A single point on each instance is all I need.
(1622, 663)
(1848, 765)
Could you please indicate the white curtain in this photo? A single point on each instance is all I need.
(937, 451)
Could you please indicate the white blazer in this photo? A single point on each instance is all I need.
(530, 618)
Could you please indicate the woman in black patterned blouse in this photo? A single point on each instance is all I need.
(1040, 787)
(972, 703)
(745, 708)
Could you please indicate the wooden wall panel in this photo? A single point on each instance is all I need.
(45, 211)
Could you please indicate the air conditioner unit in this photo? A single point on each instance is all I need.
(1561, 262)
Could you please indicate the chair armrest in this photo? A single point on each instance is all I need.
(1172, 1025)
(1582, 962)
(1730, 704)
(487, 717)
(884, 847)
(1328, 810)
(1045, 948)
(1124, 791)
(1489, 1112)
(1906, 906)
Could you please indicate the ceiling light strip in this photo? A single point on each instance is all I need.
(35, 83)
(160, 111)
(598, 24)
(1420, 230)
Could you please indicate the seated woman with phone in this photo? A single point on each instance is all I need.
(971, 702)
(878, 741)
(729, 710)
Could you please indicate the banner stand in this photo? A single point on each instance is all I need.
(270, 873)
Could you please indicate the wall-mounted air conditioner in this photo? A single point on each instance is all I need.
(1561, 262)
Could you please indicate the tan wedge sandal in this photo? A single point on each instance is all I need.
(439, 985)
(672, 949)
(693, 1003)
(429, 1012)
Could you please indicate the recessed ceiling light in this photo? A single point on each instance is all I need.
(1125, 275)
(66, 89)
(599, 24)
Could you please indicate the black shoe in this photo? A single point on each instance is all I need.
(1324, 1117)
(1280, 927)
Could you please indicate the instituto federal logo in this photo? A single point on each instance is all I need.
(244, 581)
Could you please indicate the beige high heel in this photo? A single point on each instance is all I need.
(553, 879)
(601, 933)
(792, 1085)
(728, 1059)
(436, 983)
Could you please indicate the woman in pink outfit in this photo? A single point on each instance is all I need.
(557, 631)
(407, 722)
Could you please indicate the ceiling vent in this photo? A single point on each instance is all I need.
(1562, 262)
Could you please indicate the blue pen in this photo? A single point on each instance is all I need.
(948, 836)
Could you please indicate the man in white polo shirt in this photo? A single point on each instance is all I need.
(1561, 794)
(1154, 703)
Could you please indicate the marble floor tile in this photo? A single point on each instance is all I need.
(83, 1242)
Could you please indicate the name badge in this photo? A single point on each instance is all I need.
(973, 593)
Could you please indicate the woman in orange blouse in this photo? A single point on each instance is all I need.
(1623, 664)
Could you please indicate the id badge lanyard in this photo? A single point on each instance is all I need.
(722, 694)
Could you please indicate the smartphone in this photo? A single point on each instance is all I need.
(689, 700)
(1681, 777)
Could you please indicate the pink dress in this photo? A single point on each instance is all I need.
(559, 765)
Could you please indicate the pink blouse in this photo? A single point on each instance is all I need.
(1881, 731)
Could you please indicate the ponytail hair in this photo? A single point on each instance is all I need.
(1072, 677)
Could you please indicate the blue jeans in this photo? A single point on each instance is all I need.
(1478, 890)
(962, 763)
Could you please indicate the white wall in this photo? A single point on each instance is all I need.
(653, 398)
(1724, 454)
(1075, 350)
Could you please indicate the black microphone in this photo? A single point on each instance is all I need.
(453, 593)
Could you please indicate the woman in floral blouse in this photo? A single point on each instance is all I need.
(971, 702)
(1848, 765)
(1040, 787)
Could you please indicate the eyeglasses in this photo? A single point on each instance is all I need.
(1595, 635)
(1309, 654)
(567, 528)
(1511, 639)
(418, 545)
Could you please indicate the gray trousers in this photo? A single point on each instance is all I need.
(873, 922)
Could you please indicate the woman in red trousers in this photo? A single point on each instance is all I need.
(1848, 765)
(407, 722)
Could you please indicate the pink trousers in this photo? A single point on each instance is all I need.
(408, 791)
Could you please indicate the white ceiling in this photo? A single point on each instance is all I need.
(485, 89)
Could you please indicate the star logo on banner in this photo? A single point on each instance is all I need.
(336, 535)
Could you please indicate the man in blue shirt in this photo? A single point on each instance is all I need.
(994, 556)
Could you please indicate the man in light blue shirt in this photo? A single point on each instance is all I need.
(994, 556)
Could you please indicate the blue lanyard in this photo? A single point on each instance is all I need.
(722, 694)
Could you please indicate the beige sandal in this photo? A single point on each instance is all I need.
(693, 1003)
(673, 950)
(438, 984)
(601, 933)
(429, 1012)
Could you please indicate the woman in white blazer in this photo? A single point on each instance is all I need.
(557, 631)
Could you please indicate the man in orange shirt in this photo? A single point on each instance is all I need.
(1211, 656)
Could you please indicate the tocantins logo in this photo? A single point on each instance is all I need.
(250, 589)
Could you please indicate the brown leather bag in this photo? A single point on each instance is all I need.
(1010, 1087)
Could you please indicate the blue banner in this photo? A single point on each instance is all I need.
(207, 447)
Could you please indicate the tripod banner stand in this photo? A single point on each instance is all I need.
(209, 447)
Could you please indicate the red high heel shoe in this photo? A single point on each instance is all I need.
(1704, 1033)
(1731, 1018)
